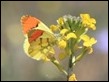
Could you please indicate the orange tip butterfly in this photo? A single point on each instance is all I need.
(39, 38)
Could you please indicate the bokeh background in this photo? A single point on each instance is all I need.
(17, 66)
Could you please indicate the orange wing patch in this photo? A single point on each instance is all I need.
(36, 34)
(28, 22)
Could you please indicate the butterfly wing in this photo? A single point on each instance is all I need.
(38, 38)
(36, 51)
(33, 50)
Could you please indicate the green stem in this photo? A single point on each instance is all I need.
(70, 65)
(79, 57)
(55, 62)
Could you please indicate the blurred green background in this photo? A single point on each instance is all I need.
(16, 65)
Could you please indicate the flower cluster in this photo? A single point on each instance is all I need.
(71, 32)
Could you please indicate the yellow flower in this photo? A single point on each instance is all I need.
(53, 28)
(88, 42)
(72, 78)
(71, 35)
(60, 21)
(63, 31)
(87, 21)
(62, 44)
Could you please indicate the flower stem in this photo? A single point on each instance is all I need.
(70, 65)
(55, 62)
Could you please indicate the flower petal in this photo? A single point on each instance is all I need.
(84, 37)
(60, 21)
(63, 31)
(87, 44)
(53, 28)
(93, 41)
(71, 35)
(72, 77)
(62, 44)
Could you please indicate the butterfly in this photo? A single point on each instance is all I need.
(39, 38)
